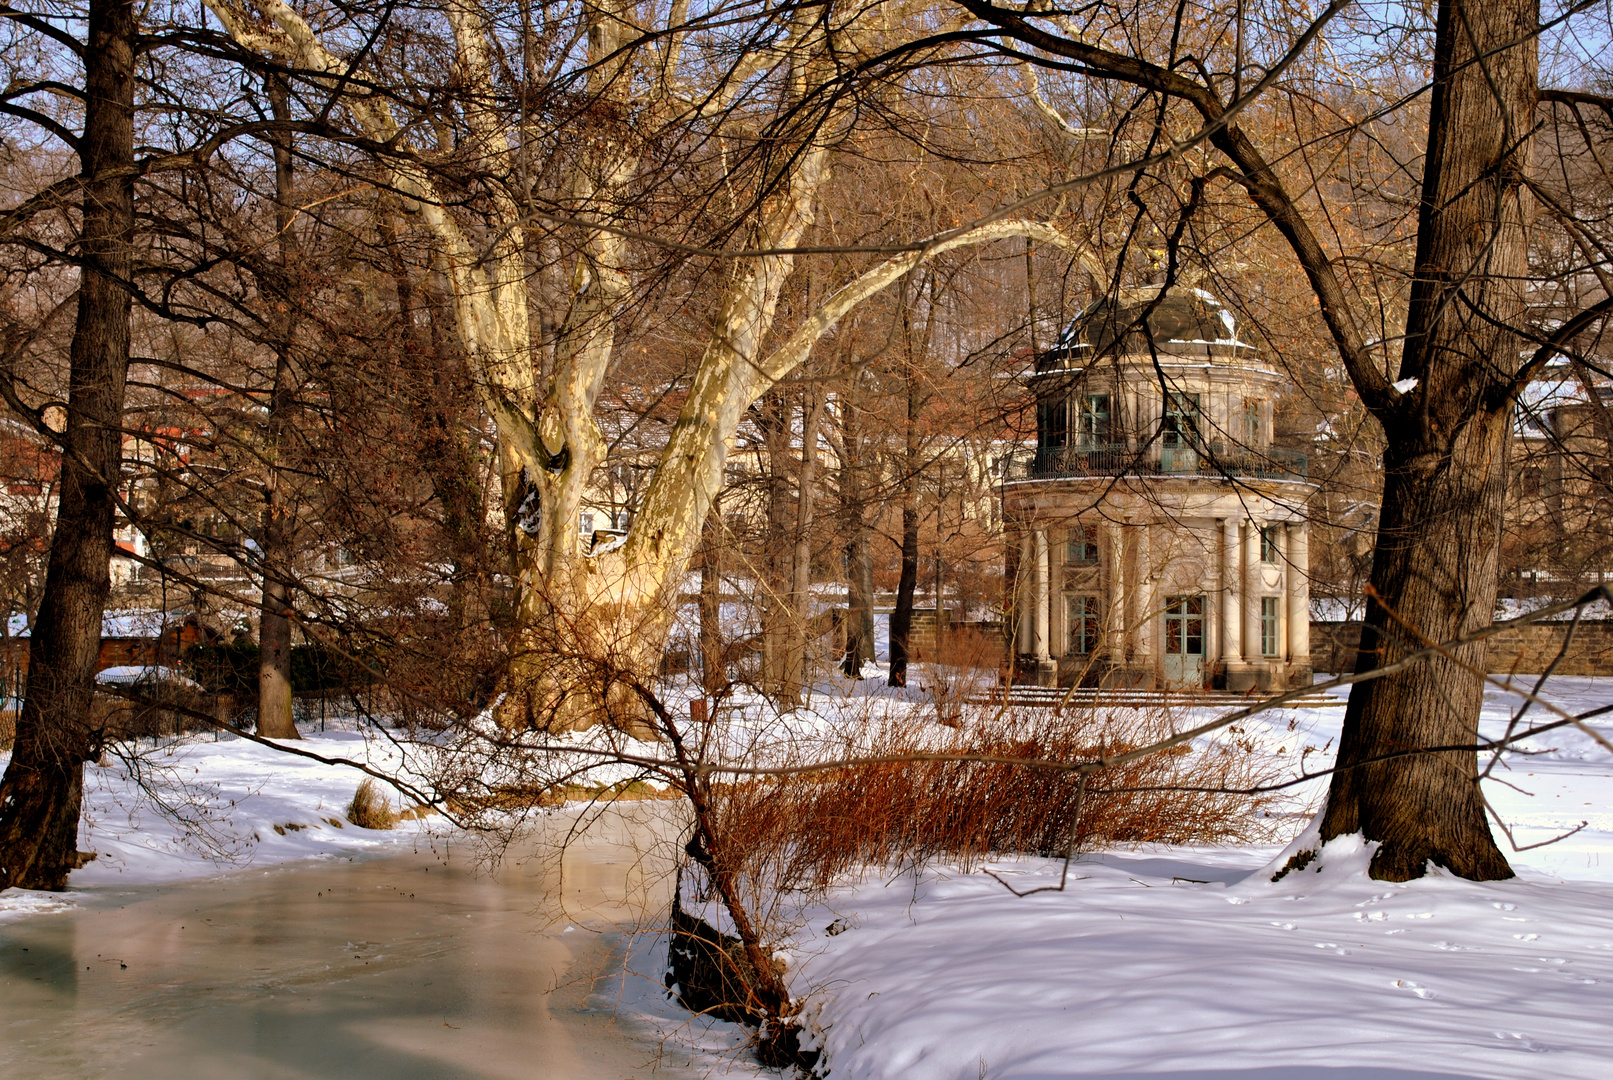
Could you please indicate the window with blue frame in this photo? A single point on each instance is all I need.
(1052, 423)
(1092, 421)
(1180, 424)
(1082, 546)
(1269, 552)
(1085, 623)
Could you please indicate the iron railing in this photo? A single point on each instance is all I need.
(1118, 459)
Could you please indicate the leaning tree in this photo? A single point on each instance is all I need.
(774, 79)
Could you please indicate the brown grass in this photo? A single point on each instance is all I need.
(370, 808)
(805, 832)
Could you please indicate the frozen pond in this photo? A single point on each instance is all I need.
(398, 967)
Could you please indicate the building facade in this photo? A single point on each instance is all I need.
(1155, 536)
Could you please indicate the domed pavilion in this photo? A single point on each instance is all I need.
(1156, 537)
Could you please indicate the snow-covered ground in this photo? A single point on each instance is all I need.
(1179, 962)
(204, 807)
(1191, 962)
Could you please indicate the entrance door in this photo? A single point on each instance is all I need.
(1184, 642)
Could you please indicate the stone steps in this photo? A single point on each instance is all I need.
(1051, 696)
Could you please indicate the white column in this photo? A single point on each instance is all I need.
(1040, 599)
(1023, 597)
(1212, 620)
(1114, 551)
(1231, 581)
(1252, 582)
(1143, 626)
(1299, 594)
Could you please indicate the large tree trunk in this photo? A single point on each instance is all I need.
(906, 586)
(859, 560)
(907, 583)
(275, 718)
(43, 785)
(795, 667)
(713, 654)
(1446, 463)
(567, 605)
(776, 554)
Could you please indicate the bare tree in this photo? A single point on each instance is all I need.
(787, 89)
(43, 784)
(1445, 411)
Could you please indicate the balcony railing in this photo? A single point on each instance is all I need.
(1118, 459)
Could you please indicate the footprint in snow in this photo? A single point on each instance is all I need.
(1517, 1040)
(1372, 916)
(1407, 984)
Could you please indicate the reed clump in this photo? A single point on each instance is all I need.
(806, 831)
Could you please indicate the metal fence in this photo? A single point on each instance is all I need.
(1118, 459)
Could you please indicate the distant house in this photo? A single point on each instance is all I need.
(139, 638)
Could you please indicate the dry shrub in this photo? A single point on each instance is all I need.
(370, 808)
(806, 831)
(965, 668)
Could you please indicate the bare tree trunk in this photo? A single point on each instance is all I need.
(859, 560)
(713, 668)
(795, 673)
(619, 603)
(907, 584)
(860, 601)
(1435, 565)
(777, 616)
(275, 719)
(43, 785)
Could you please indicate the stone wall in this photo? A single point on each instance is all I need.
(1524, 650)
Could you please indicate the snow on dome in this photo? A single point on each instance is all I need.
(1184, 317)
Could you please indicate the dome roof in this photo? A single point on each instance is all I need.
(1186, 322)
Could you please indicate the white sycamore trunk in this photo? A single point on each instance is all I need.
(582, 616)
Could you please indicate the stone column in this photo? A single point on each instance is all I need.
(1212, 593)
(1299, 596)
(1231, 588)
(1047, 669)
(1022, 597)
(1253, 582)
(1144, 624)
(1040, 594)
(1114, 553)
